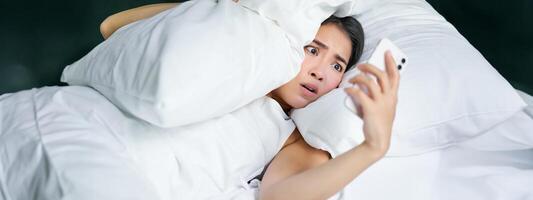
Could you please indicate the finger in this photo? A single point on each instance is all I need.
(381, 76)
(359, 96)
(392, 71)
(374, 89)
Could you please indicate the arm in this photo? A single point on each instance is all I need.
(300, 172)
(114, 22)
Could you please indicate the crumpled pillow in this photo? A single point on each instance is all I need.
(197, 61)
(448, 93)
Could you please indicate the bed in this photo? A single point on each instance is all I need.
(96, 141)
(53, 146)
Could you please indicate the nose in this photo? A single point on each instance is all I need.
(317, 75)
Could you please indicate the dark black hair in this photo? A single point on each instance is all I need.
(354, 30)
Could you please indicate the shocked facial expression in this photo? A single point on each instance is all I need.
(324, 64)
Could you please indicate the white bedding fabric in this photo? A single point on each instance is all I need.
(53, 145)
(448, 93)
(452, 173)
(301, 19)
(498, 165)
(167, 69)
(72, 143)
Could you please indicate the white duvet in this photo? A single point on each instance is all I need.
(72, 143)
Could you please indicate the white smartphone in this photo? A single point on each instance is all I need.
(378, 59)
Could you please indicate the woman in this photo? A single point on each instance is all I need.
(299, 171)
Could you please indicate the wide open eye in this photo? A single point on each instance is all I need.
(312, 50)
(337, 67)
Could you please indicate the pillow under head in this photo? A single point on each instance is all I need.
(448, 93)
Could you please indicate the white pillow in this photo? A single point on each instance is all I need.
(301, 19)
(529, 101)
(194, 62)
(515, 133)
(448, 93)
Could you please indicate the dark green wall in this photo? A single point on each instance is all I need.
(39, 38)
(501, 30)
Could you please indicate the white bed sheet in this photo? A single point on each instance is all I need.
(529, 101)
(76, 151)
(452, 173)
(479, 170)
(72, 143)
(53, 146)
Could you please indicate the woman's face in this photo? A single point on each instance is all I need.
(321, 71)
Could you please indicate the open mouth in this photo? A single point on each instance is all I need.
(310, 88)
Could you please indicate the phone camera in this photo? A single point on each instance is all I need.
(403, 60)
(399, 67)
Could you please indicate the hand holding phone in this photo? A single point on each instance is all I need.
(378, 60)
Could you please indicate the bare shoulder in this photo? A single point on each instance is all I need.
(299, 145)
(312, 157)
(295, 157)
(295, 136)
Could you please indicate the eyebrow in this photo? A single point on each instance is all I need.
(337, 56)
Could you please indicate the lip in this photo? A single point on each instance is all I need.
(307, 92)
